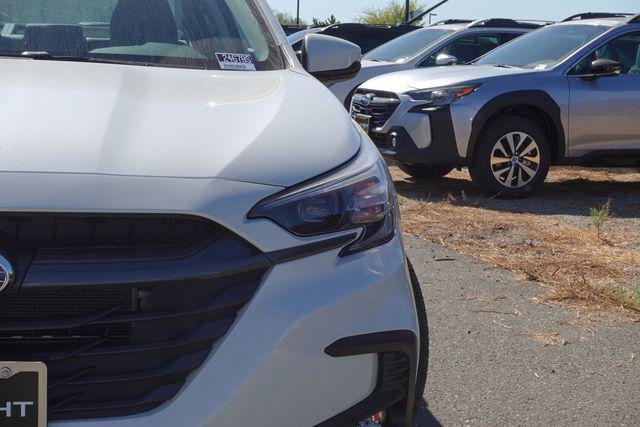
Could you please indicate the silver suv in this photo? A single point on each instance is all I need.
(444, 43)
(566, 94)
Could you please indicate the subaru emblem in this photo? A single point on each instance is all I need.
(367, 99)
(7, 275)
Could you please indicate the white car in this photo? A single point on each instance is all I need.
(445, 43)
(185, 239)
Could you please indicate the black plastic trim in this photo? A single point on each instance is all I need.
(443, 150)
(525, 98)
(338, 75)
(381, 343)
(597, 15)
(606, 158)
(298, 252)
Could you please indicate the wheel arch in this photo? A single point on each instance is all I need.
(536, 105)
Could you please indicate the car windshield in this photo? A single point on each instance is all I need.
(408, 46)
(543, 48)
(211, 34)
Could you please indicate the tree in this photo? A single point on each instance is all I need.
(329, 21)
(285, 18)
(391, 14)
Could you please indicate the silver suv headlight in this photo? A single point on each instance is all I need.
(358, 195)
(442, 96)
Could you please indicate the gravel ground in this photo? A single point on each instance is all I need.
(548, 238)
(499, 357)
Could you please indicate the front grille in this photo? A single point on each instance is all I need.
(379, 106)
(120, 318)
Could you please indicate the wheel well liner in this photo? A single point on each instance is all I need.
(535, 105)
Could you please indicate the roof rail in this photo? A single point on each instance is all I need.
(635, 20)
(507, 23)
(596, 15)
(453, 21)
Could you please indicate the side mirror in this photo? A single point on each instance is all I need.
(330, 59)
(605, 67)
(444, 59)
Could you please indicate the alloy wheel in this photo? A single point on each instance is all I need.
(515, 159)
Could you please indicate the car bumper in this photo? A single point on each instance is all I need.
(423, 135)
(422, 138)
(276, 366)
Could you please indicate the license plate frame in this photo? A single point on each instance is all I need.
(363, 121)
(23, 394)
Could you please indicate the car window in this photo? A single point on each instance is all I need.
(624, 49)
(507, 37)
(543, 48)
(220, 34)
(467, 48)
(408, 46)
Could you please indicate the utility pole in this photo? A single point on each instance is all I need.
(407, 12)
(298, 14)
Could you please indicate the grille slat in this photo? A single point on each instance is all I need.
(380, 106)
(180, 367)
(47, 325)
(121, 308)
(144, 403)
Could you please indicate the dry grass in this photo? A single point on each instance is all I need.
(548, 239)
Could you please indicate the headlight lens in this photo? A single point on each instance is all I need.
(360, 195)
(442, 96)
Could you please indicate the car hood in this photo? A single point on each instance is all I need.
(426, 78)
(276, 128)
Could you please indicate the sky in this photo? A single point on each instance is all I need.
(349, 10)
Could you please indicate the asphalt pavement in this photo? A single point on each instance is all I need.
(500, 357)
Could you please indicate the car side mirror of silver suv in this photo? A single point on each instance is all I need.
(330, 59)
(444, 59)
(605, 68)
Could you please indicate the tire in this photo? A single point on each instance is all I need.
(423, 328)
(424, 172)
(521, 172)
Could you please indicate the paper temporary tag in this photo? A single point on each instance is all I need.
(235, 61)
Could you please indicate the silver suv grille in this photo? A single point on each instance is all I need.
(378, 105)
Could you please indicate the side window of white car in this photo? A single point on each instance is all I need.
(466, 48)
(624, 49)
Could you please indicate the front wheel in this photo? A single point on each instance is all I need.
(424, 172)
(512, 158)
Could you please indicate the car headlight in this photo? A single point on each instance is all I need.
(442, 96)
(359, 195)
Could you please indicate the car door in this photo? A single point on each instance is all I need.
(469, 47)
(604, 111)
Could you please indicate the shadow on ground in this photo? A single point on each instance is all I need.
(424, 417)
(565, 197)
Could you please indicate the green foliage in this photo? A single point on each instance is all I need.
(634, 296)
(599, 216)
(391, 14)
(630, 297)
(315, 22)
(285, 18)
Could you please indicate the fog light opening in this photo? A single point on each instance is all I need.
(394, 139)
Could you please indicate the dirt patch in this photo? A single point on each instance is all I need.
(549, 338)
(548, 238)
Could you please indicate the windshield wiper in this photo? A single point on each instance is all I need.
(47, 56)
(503, 66)
(43, 55)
